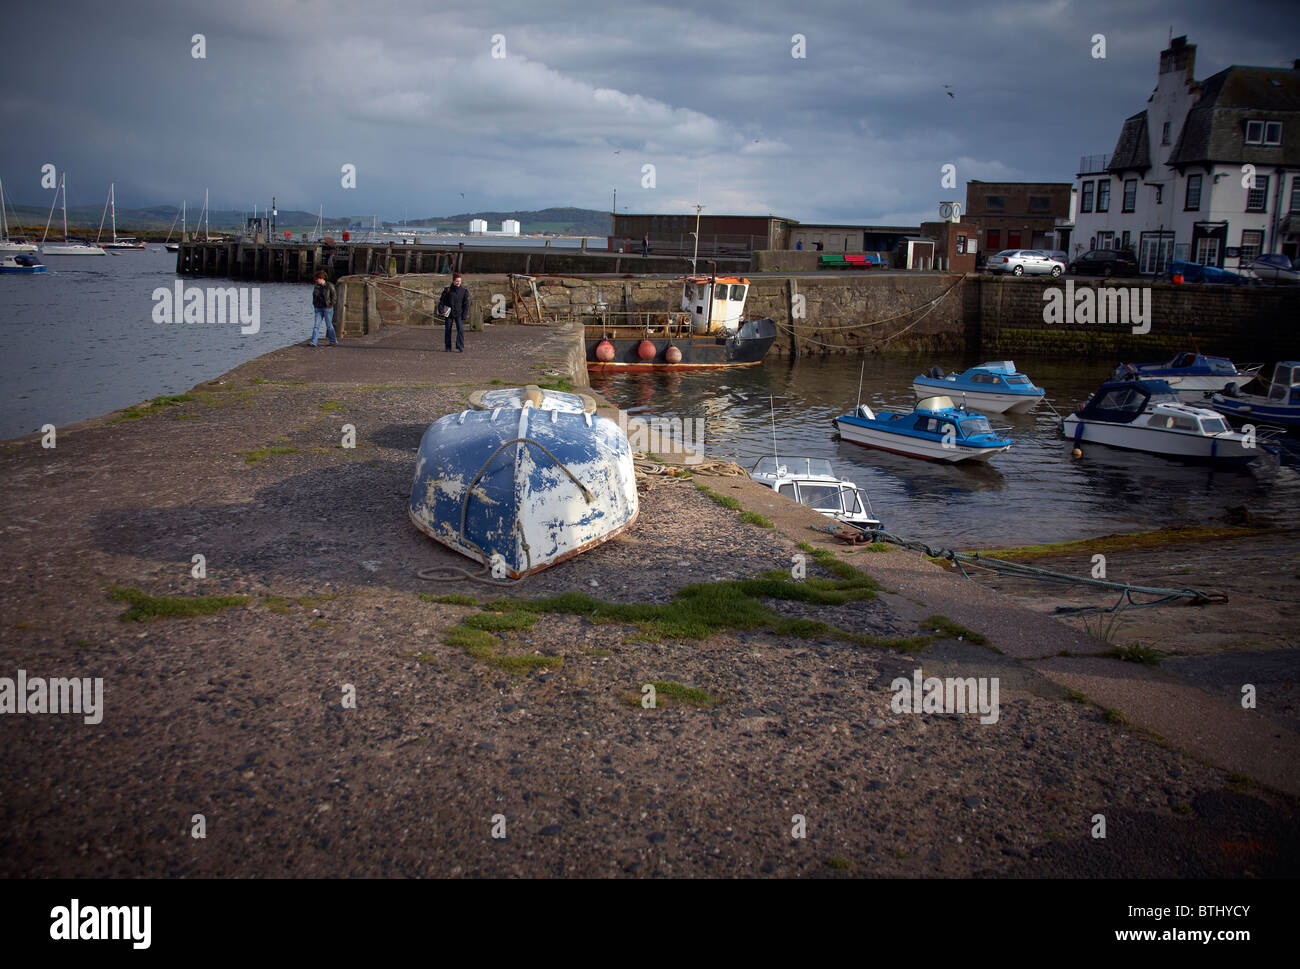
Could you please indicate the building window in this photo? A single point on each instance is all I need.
(1105, 240)
(1252, 240)
(1273, 133)
(1013, 239)
(1257, 197)
(1254, 132)
(1040, 203)
(1207, 251)
(995, 203)
(1295, 194)
(1130, 194)
(1085, 201)
(995, 238)
(1103, 195)
(1192, 203)
(1164, 134)
(1126, 241)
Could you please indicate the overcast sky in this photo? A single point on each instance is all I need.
(587, 93)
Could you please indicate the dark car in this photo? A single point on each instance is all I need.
(1105, 262)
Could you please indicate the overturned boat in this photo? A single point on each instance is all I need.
(521, 488)
(532, 395)
(708, 331)
(996, 387)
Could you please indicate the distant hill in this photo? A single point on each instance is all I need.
(560, 221)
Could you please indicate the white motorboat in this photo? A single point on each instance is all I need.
(812, 482)
(1191, 374)
(1146, 415)
(68, 247)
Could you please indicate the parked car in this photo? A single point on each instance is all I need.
(1275, 268)
(1105, 262)
(1020, 262)
(1059, 255)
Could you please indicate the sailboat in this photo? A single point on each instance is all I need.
(124, 242)
(7, 244)
(167, 243)
(66, 247)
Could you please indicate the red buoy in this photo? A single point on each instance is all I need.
(646, 350)
(1178, 278)
(604, 351)
(673, 355)
(288, 234)
(346, 235)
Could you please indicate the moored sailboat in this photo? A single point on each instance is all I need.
(68, 247)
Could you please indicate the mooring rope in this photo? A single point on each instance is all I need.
(975, 560)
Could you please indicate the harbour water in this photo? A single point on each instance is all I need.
(1033, 493)
(79, 340)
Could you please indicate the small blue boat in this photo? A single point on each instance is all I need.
(936, 429)
(20, 263)
(519, 489)
(995, 388)
(1189, 373)
(1280, 407)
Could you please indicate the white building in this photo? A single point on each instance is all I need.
(510, 227)
(1209, 171)
(477, 226)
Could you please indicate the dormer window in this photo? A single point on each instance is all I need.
(1263, 132)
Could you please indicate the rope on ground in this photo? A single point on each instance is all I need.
(975, 560)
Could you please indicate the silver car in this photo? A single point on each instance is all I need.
(1021, 262)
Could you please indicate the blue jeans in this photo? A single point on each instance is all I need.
(325, 314)
(460, 332)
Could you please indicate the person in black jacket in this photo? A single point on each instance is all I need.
(453, 307)
(323, 299)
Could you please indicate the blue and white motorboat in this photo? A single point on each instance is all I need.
(1146, 415)
(996, 387)
(811, 482)
(532, 396)
(1191, 374)
(936, 429)
(1280, 407)
(520, 489)
(20, 262)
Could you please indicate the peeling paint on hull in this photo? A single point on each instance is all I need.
(523, 506)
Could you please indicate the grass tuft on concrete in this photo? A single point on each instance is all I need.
(146, 608)
(954, 630)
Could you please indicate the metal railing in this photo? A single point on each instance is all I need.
(654, 323)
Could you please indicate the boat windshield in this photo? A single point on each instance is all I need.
(973, 426)
(1213, 425)
(821, 497)
(1018, 380)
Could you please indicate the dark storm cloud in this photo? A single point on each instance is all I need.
(708, 93)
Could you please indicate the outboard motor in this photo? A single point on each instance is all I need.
(1232, 390)
(866, 412)
(935, 372)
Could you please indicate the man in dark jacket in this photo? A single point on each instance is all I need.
(323, 299)
(453, 307)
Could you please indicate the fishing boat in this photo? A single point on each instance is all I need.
(1190, 373)
(1280, 407)
(20, 262)
(812, 482)
(6, 243)
(68, 247)
(532, 396)
(994, 388)
(520, 489)
(708, 331)
(1146, 415)
(935, 429)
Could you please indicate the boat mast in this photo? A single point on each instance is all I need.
(50, 218)
(861, 373)
(63, 183)
(4, 219)
(112, 203)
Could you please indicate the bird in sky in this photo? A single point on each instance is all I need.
(948, 88)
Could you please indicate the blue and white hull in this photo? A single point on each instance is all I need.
(521, 489)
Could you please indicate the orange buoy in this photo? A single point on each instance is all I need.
(346, 235)
(604, 351)
(646, 350)
(1178, 278)
(673, 355)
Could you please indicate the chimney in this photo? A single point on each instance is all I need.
(1179, 56)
